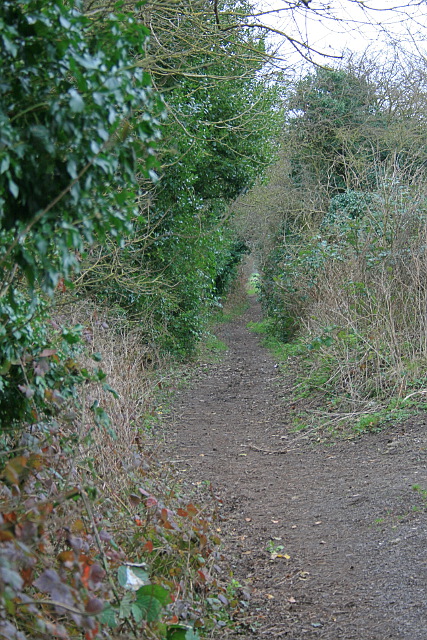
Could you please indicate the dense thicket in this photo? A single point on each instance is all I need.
(342, 229)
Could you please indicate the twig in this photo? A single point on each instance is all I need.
(102, 554)
(55, 603)
(421, 391)
(268, 451)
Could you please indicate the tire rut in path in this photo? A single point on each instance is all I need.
(342, 511)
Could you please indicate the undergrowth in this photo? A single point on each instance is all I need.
(98, 537)
(315, 404)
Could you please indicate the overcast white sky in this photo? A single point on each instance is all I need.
(353, 28)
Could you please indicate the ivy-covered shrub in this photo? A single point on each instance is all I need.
(76, 124)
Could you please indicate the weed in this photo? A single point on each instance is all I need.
(211, 348)
(423, 494)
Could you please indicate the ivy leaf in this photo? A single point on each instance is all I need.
(77, 104)
(13, 188)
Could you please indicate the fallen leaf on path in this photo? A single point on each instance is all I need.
(291, 600)
(303, 575)
(248, 519)
(275, 521)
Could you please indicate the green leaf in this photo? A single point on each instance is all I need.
(72, 168)
(126, 606)
(4, 164)
(108, 617)
(151, 608)
(122, 576)
(137, 613)
(77, 104)
(155, 591)
(13, 188)
(180, 632)
(10, 46)
(110, 389)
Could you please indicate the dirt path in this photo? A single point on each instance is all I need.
(343, 512)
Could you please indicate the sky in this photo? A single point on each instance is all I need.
(347, 26)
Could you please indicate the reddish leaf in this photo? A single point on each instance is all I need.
(10, 517)
(192, 510)
(14, 469)
(85, 576)
(94, 605)
(47, 352)
(27, 576)
(151, 502)
(61, 285)
(26, 390)
(173, 620)
(182, 512)
(96, 576)
(41, 367)
(148, 546)
(165, 514)
(92, 633)
(204, 575)
(67, 558)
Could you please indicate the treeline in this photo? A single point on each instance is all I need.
(340, 232)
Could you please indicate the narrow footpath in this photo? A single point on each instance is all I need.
(331, 538)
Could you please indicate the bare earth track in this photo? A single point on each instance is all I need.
(345, 511)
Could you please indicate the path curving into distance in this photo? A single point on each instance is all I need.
(342, 511)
